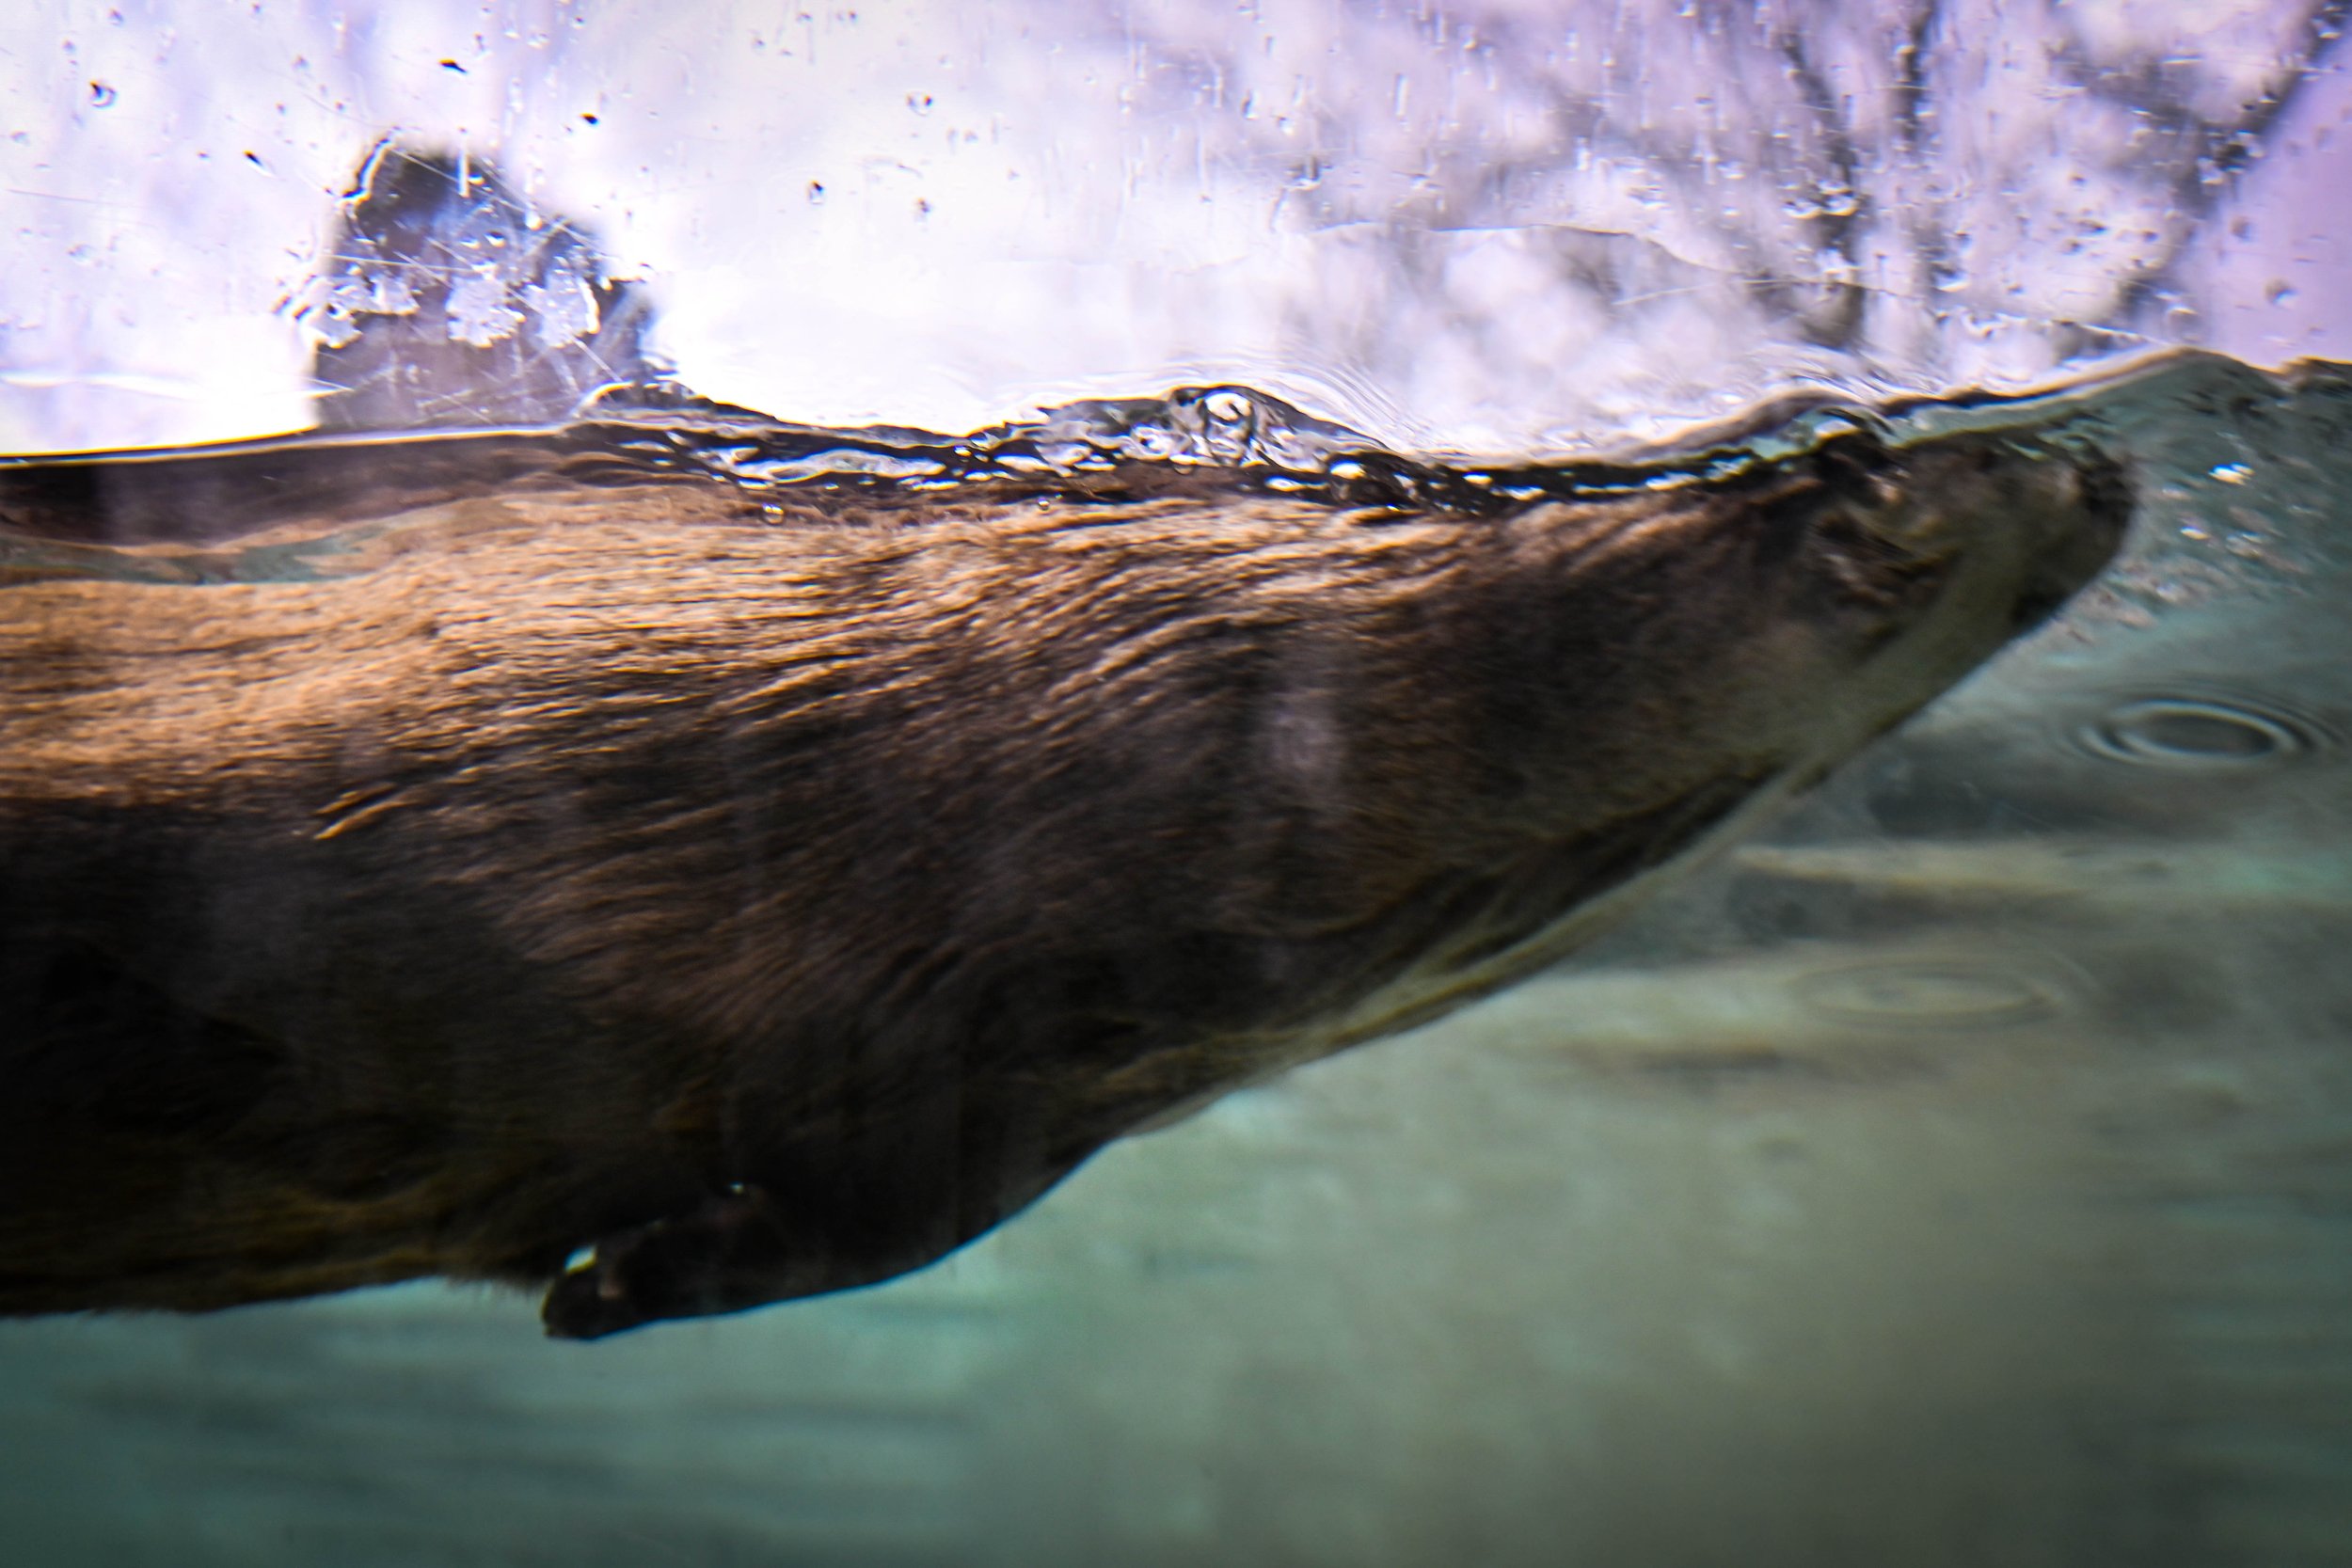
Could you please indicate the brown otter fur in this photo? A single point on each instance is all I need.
(778, 898)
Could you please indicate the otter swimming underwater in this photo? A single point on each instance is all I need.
(771, 857)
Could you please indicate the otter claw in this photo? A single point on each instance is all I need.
(732, 1251)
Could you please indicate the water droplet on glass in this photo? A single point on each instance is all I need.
(1227, 405)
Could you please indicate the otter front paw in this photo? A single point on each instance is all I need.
(732, 1251)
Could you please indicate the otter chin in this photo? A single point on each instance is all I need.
(685, 862)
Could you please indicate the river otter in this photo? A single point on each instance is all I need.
(535, 857)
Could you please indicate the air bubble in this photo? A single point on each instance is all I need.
(1931, 993)
(2186, 732)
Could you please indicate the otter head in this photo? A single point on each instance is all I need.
(1650, 671)
(1923, 561)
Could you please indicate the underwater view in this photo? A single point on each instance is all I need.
(1542, 783)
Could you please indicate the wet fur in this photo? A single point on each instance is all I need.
(778, 900)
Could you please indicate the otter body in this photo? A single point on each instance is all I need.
(773, 890)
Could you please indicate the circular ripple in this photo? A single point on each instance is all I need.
(2200, 733)
(1933, 993)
